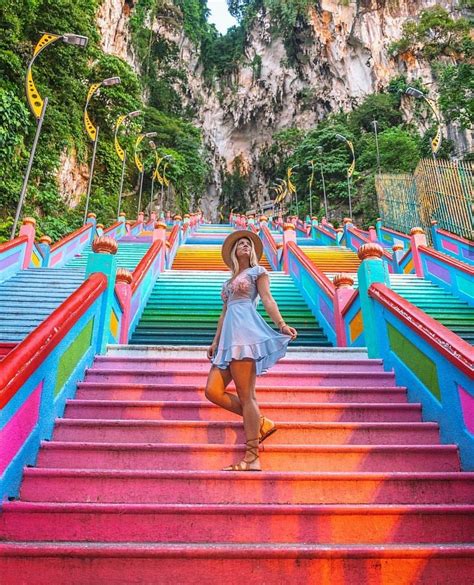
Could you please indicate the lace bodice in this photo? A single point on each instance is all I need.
(244, 286)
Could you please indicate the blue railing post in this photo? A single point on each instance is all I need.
(103, 259)
(372, 269)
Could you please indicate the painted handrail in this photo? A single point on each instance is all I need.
(351, 322)
(144, 265)
(269, 246)
(447, 272)
(41, 373)
(27, 355)
(112, 227)
(143, 280)
(173, 243)
(363, 240)
(323, 236)
(433, 363)
(12, 256)
(316, 288)
(75, 234)
(453, 245)
(323, 281)
(455, 350)
(70, 245)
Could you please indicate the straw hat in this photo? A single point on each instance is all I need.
(234, 237)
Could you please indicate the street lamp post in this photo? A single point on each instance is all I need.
(139, 163)
(164, 181)
(93, 131)
(292, 186)
(153, 147)
(320, 152)
(350, 169)
(374, 124)
(38, 105)
(311, 179)
(436, 141)
(121, 153)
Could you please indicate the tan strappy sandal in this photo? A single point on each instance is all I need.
(246, 465)
(267, 428)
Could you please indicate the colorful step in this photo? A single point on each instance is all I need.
(132, 474)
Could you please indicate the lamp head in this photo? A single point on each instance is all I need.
(320, 150)
(150, 134)
(413, 92)
(152, 144)
(134, 114)
(77, 40)
(341, 137)
(110, 81)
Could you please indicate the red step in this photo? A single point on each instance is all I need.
(336, 524)
(184, 410)
(220, 487)
(173, 431)
(274, 457)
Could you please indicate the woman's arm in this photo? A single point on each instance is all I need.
(263, 287)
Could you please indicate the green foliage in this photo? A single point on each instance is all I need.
(234, 185)
(63, 73)
(434, 34)
(456, 83)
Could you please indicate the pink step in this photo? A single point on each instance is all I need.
(273, 457)
(335, 524)
(171, 431)
(65, 563)
(205, 411)
(202, 365)
(138, 392)
(272, 378)
(220, 487)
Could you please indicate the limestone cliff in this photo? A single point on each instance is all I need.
(341, 57)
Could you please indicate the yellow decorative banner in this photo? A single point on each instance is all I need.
(35, 101)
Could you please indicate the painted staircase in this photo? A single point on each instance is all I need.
(185, 305)
(128, 255)
(453, 313)
(355, 488)
(27, 298)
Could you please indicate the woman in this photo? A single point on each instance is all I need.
(244, 345)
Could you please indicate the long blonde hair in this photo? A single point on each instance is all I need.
(233, 256)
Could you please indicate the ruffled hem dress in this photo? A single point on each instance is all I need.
(245, 334)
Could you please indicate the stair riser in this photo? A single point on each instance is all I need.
(227, 526)
(202, 489)
(311, 379)
(288, 368)
(319, 413)
(266, 395)
(203, 460)
(373, 567)
(225, 433)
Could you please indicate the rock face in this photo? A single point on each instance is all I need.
(341, 56)
(112, 22)
(72, 178)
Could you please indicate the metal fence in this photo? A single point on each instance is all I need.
(438, 190)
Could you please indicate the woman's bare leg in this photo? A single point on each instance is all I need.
(217, 382)
(243, 374)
